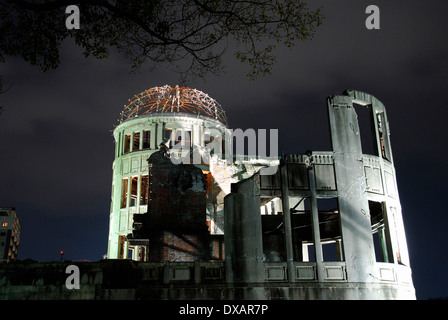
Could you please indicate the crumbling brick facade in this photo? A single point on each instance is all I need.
(175, 223)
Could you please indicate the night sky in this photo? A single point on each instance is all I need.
(57, 147)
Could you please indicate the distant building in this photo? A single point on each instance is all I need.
(9, 234)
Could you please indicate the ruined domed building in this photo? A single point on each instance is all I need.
(195, 215)
(152, 127)
(202, 223)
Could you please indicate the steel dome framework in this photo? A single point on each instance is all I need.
(173, 100)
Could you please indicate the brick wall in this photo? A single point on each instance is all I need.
(178, 196)
(176, 223)
(167, 246)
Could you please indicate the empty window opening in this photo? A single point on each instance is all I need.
(380, 133)
(377, 243)
(303, 237)
(331, 251)
(274, 232)
(124, 193)
(167, 135)
(223, 147)
(395, 234)
(305, 227)
(187, 138)
(274, 246)
(134, 185)
(130, 253)
(302, 233)
(136, 144)
(146, 139)
(210, 145)
(273, 229)
(142, 254)
(385, 151)
(127, 143)
(330, 229)
(308, 253)
(121, 245)
(381, 241)
(177, 138)
(366, 129)
(144, 190)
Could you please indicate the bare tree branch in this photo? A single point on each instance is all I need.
(159, 31)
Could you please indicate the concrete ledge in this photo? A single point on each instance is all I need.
(125, 279)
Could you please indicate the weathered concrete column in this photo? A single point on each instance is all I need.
(243, 234)
(153, 141)
(287, 222)
(356, 230)
(315, 224)
(159, 133)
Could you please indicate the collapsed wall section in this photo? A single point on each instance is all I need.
(175, 224)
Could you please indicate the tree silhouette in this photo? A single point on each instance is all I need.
(159, 32)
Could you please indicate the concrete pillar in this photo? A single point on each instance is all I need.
(159, 133)
(315, 225)
(353, 205)
(196, 135)
(243, 234)
(131, 143)
(153, 142)
(197, 272)
(340, 250)
(287, 222)
(383, 244)
(114, 227)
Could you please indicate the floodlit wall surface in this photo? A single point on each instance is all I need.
(326, 225)
(125, 279)
(136, 139)
(359, 239)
